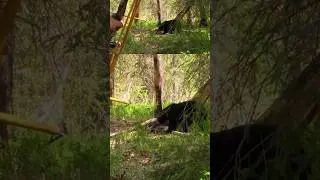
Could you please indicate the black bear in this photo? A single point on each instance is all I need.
(242, 147)
(176, 114)
(167, 27)
(203, 23)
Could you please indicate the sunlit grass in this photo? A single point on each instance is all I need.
(143, 155)
(142, 39)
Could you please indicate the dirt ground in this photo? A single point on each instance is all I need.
(117, 125)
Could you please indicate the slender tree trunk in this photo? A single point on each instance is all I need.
(121, 9)
(158, 12)
(137, 15)
(157, 84)
(189, 18)
(174, 83)
(111, 84)
(183, 12)
(128, 82)
(120, 13)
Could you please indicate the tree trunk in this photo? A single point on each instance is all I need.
(120, 13)
(157, 84)
(8, 11)
(111, 84)
(214, 73)
(293, 105)
(182, 13)
(174, 83)
(158, 12)
(189, 18)
(204, 92)
(103, 116)
(137, 15)
(6, 65)
(121, 9)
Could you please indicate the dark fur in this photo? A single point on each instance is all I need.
(203, 23)
(225, 144)
(179, 114)
(167, 27)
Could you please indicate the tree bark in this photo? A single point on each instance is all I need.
(121, 9)
(103, 116)
(137, 15)
(111, 84)
(174, 83)
(6, 65)
(293, 105)
(8, 11)
(182, 13)
(158, 12)
(157, 84)
(214, 70)
(118, 15)
(204, 92)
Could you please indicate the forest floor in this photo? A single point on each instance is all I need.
(119, 125)
(138, 154)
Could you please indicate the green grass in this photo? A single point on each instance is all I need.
(75, 157)
(142, 39)
(134, 112)
(142, 155)
(171, 157)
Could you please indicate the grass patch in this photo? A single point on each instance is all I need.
(145, 156)
(72, 157)
(134, 112)
(142, 155)
(142, 39)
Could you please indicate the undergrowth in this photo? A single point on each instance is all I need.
(30, 156)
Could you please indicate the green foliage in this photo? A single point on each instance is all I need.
(76, 157)
(132, 111)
